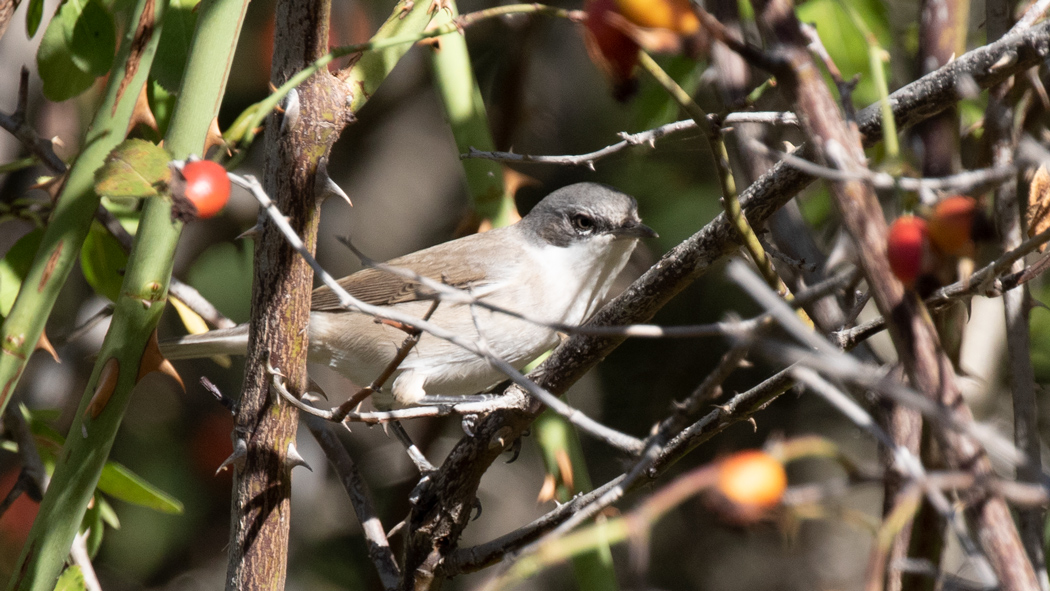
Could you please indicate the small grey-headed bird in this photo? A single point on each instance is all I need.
(556, 264)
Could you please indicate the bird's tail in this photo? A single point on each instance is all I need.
(224, 341)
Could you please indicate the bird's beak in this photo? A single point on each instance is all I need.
(635, 230)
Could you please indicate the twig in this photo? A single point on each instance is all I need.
(80, 557)
(730, 199)
(822, 356)
(643, 138)
(1002, 143)
(16, 123)
(654, 445)
(904, 459)
(378, 545)
(963, 182)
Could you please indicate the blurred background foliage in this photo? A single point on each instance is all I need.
(399, 165)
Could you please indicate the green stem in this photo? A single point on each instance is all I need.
(138, 308)
(465, 111)
(74, 209)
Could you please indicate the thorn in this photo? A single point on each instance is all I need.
(754, 424)
(314, 389)
(397, 528)
(1007, 59)
(325, 187)
(293, 458)
(476, 505)
(153, 360)
(252, 232)
(291, 111)
(107, 383)
(214, 137)
(141, 114)
(236, 459)
(44, 344)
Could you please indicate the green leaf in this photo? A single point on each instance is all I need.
(34, 14)
(119, 482)
(14, 267)
(174, 47)
(135, 168)
(71, 580)
(109, 516)
(78, 46)
(102, 259)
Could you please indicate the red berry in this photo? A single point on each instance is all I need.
(951, 225)
(207, 186)
(906, 248)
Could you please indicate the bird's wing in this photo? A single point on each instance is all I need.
(458, 268)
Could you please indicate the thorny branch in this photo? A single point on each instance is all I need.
(644, 138)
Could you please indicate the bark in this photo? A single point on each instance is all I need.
(281, 299)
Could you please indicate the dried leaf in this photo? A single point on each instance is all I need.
(565, 469)
(547, 490)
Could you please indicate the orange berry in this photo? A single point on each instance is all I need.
(906, 248)
(674, 15)
(752, 478)
(951, 225)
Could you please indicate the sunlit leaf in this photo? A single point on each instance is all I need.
(135, 168)
(120, 483)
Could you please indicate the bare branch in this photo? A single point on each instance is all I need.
(643, 138)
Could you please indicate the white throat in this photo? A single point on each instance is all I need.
(578, 277)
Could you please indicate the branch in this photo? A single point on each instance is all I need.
(642, 138)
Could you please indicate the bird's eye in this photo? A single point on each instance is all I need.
(582, 222)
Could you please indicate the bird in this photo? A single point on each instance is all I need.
(555, 265)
